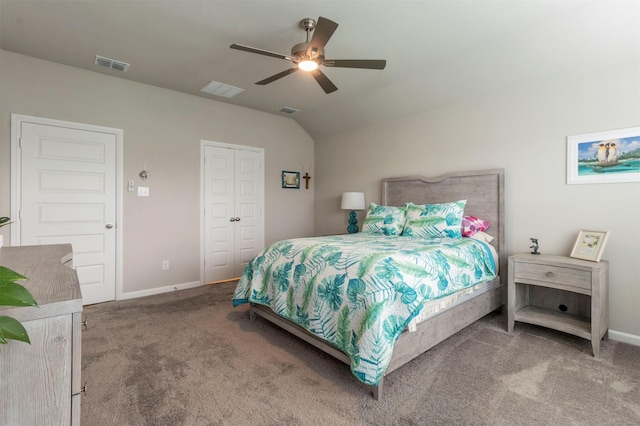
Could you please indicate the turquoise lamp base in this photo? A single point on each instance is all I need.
(353, 223)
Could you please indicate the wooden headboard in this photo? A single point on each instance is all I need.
(483, 190)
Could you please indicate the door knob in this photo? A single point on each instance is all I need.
(233, 219)
(237, 219)
(109, 225)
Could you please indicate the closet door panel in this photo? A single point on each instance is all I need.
(219, 210)
(249, 178)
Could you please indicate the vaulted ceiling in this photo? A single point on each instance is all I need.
(438, 52)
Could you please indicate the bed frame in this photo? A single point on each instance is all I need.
(484, 192)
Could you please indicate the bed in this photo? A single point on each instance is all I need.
(421, 312)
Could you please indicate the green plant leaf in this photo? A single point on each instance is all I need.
(12, 294)
(13, 330)
(4, 221)
(7, 274)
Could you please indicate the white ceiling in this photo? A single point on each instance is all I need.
(438, 52)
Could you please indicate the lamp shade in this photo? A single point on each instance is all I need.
(352, 201)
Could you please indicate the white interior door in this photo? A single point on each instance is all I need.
(68, 195)
(233, 190)
(249, 235)
(219, 214)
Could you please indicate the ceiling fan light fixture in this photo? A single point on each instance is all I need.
(308, 65)
(309, 55)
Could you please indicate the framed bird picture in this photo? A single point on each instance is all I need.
(604, 157)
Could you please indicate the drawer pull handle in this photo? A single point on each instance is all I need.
(549, 274)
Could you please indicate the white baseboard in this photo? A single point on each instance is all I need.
(632, 339)
(159, 290)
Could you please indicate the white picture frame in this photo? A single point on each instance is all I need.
(590, 245)
(604, 157)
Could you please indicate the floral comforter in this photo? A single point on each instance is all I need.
(359, 291)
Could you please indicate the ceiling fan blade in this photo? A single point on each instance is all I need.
(373, 64)
(260, 51)
(321, 34)
(324, 81)
(277, 76)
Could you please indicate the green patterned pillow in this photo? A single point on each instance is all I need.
(434, 220)
(387, 220)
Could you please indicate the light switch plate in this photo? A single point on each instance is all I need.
(143, 191)
(131, 186)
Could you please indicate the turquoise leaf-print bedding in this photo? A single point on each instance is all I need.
(360, 291)
(434, 220)
(386, 220)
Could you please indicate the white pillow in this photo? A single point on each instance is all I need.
(482, 236)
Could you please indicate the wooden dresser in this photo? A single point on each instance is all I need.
(562, 293)
(40, 383)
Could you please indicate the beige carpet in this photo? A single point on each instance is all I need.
(189, 358)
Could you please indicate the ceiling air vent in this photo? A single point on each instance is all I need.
(288, 110)
(221, 89)
(111, 63)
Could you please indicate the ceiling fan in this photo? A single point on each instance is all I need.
(308, 56)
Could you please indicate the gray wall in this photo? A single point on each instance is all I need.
(523, 131)
(162, 130)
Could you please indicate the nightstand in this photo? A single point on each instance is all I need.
(562, 293)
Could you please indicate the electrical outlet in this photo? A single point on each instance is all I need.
(165, 265)
(131, 186)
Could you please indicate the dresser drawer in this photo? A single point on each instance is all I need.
(553, 274)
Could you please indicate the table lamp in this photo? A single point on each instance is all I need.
(352, 201)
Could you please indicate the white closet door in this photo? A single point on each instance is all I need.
(249, 237)
(219, 214)
(233, 216)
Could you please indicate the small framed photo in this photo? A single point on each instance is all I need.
(590, 245)
(604, 157)
(291, 180)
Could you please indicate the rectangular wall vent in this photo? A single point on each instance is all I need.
(111, 63)
(288, 110)
(220, 89)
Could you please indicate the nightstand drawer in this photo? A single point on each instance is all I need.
(553, 274)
